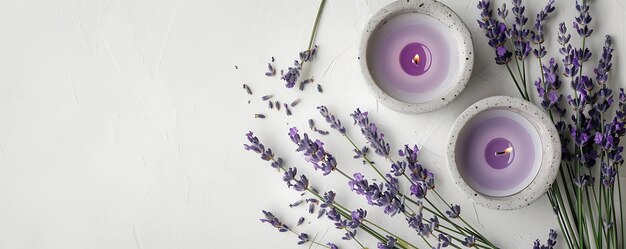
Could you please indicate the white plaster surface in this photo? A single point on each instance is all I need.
(123, 120)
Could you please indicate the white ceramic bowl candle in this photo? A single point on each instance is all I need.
(503, 152)
(416, 55)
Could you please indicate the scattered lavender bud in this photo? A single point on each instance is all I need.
(322, 132)
(321, 213)
(248, 90)
(312, 124)
(295, 204)
(258, 115)
(313, 200)
(311, 208)
(300, 221)
(305, 82)
(277, 104)
(295, 102)
(287, 110)
(236, 67)
(270, 104)
(266, 97)
(272, 58)
(270, 70)
(319, 88)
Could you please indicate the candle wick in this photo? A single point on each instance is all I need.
(506, 151)
(416, 59)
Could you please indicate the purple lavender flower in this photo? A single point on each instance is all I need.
(386, 196)
(306, 56)
(518, 33)
(360, 153)
(331, 119)
(266, 153)
(550, 243)
(328, 200)
(350, 234)
(398, 168)
(537, 32)
(303, 238)
(357, 218)
(605, 65)
(292, 74)
(454, 212)
(332, 246)
(495, 32)
(444, 240)
(313, 151)
(608, 175)
(389, 244)
(583, 19)
(275, 222)
(470, 241)
(371, 134)
(290, 177)
(270, 70)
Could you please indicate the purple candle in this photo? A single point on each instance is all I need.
(498, 152)
(411, 57)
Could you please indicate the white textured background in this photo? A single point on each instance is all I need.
(123, 121)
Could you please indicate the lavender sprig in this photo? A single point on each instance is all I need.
(331, 119)
(370, 131)
(293, 73)
(495, 31)
(313, 151)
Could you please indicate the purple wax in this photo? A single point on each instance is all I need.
(412, 57)
(415, 59)
(498, 153)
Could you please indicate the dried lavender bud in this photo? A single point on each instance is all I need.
(236, 67)
(270, 70)
(295, 102)
(295, 204)
(312, 124)
(270, 104)
(272, 58)
(321, 213)
(319, 88)
(311, 208)
(266, 97)
(300, 221)
(258, 115)
(304, 82)
(248, 90)
(287, 109)
(321, 132)
(277, 104)
(313, 200)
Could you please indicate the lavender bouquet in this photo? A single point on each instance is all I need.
(590, 122)
(402, 186)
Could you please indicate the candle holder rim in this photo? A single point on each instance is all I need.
(550, 162)
(464, 44)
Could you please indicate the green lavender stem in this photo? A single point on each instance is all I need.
(316, 24)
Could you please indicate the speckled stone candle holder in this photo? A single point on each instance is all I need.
(503, 152)
(416, 55)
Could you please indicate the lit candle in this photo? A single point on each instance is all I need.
(416, 56)
(501, 152)
(411, 57)
(504, 152)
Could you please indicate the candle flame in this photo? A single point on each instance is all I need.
(416, 59)
(506, 151)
